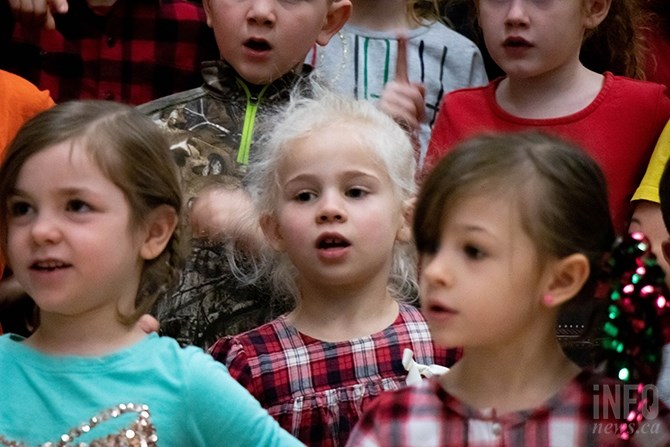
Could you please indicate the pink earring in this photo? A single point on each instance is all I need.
(548, 299)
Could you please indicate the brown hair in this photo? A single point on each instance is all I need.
(560, 193)
(617, 44)
(131, 151)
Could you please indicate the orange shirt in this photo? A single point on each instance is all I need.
(19, 101)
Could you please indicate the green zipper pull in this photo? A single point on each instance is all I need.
(249, 121)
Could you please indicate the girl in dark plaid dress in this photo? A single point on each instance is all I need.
(334, 192)
(511, 231)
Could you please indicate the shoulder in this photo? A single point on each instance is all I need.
(635, 89)
(400, 407)
(219, 407)
(413, 322)
(159, 106)
(448, 37)
(467, 95)
(262, 340)
(425, 395)
(22, 93)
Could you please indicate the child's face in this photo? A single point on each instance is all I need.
(338, 216)
(527, 38)
(482, 285)
(265, 39)
(70, 242)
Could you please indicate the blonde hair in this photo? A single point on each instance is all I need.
(307, 116)
(421, 12)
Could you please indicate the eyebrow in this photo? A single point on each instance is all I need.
(67, 191)
(346, 175)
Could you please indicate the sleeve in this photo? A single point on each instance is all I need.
(230, 351)
(648, 188)
(478, 74)
(222, 412)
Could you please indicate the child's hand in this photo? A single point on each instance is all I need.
(405, 103)
(401, 99)
(37, 14)
(148, 324)
(221, 212)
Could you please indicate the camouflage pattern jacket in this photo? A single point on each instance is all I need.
(211, 132)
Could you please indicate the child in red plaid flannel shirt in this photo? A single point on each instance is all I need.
(132, 51)
(334, 192)
(511, 230)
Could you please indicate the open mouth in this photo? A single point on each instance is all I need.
(257, 45)
(330, 242)
(516, 42)
(49, 266)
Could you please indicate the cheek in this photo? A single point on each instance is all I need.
(293, 225)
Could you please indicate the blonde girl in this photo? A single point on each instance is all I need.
(334, 192)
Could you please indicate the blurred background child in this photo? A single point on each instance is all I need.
(362, 60)
(547, 87)
(212, 133)
(121, 50)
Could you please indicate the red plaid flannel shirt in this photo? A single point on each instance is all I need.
(579, 415)
(317, 390)
(140, 50)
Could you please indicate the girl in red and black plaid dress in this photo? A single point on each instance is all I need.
(512, 232)
(334, 193)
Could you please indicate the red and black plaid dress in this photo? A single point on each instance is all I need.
(579, 415)
(317, 390)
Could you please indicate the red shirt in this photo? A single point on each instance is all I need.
(618, 129)
(140, 50)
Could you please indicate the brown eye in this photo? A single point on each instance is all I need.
(356, 193)
(78, 206)
(17, 209)
(304, 196)
(473, 252)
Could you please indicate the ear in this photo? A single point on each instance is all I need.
(404, 233)
(270, 228)
(595, 12)
(208, 14)
(159, 228)
(665, 245)
(567, 277)
(338, 14)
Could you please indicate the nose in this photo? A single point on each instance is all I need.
(45, 230)
(435, 271)
(331, 209)
(262, 12)
(516, 13)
